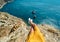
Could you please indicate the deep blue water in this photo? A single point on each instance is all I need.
(47, 11)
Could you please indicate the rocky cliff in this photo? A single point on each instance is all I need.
(13, 29)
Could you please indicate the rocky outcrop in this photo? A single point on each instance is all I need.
(51, 33)
(3, 2)
(13, 29)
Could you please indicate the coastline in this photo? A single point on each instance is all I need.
(2, 3)
(20, 29)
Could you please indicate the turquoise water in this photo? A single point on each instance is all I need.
(47, 11)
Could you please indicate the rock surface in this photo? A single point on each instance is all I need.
(13, 29)
(3, 2)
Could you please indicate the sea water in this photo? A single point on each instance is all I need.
(46, 11)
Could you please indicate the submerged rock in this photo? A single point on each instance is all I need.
(13, 29)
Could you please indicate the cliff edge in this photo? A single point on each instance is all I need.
(13, 29)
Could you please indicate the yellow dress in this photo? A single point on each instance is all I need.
(35, 35)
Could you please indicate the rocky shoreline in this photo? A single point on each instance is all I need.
(3, 2)
(13, 29)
